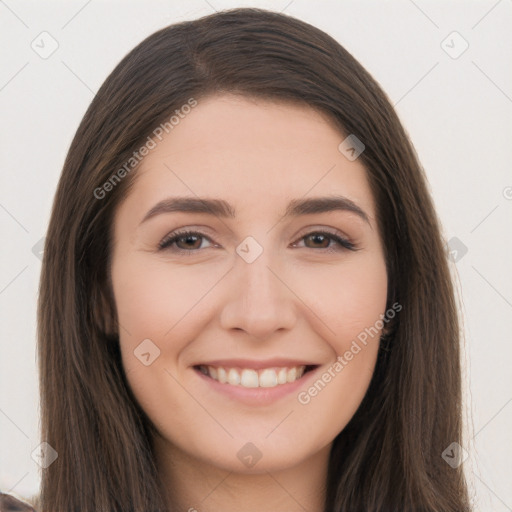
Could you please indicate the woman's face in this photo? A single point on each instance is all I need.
(261, 292)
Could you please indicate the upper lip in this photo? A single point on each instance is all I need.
(255, 364)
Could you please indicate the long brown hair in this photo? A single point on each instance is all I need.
(388, 458)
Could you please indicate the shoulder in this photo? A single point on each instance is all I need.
(9, 503)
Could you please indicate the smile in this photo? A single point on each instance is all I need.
(252, 378)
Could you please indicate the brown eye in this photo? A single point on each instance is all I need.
(318, 239)
(187, 241)
(323, 239)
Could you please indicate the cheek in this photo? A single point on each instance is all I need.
(348, 298)
(160, 309)
(159, 312)
(153, 298)
(351, 303)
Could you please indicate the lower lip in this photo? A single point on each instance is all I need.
(257, 396)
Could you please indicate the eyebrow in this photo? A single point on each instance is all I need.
(221, 208)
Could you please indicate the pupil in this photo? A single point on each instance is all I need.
(190, 239)
(318, 239)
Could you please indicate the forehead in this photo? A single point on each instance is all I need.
(252, 153)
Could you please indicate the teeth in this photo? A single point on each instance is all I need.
(233, 377)
(291, 375)
(249, 378)
(268, 379)
(222, 375)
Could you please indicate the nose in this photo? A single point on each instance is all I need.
(260, 301)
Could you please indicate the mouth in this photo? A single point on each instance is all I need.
(266, 377)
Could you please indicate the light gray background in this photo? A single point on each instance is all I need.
(456, 110)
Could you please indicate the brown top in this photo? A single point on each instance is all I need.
(9, 503)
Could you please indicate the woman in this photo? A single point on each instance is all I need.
(245, 302)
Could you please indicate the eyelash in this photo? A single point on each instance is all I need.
(342, 243)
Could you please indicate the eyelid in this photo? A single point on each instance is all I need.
(182, 232)
(322, 229)
(341, 240)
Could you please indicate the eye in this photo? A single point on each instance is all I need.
(188, 239)
(324, 239)
(191, 241)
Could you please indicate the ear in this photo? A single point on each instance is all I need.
(389, 330)
(104, 311)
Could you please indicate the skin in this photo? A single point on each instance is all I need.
(296, 300)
